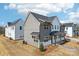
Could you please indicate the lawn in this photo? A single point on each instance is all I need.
(17, 48)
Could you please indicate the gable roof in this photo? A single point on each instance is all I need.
(13, 23)
(68, 24)
(41, 18)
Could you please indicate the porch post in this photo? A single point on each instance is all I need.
(38, 43)
(51, 39)
(55, 39)
(60, 37)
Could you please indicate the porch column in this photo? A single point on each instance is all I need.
(55, 39)
(60, 37)
(51, 39)
(38, 43)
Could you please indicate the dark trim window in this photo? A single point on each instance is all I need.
(52, 26)
(35, 40)
(66, 28)
(46, 38)
(55, 26)
(45, 26)
(20, 27)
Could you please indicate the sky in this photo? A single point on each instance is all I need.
(66, 12)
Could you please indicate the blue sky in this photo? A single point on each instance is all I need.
(68, 12)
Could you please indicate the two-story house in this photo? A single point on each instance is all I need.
(70, 29)
(41, 29)
(14, 30)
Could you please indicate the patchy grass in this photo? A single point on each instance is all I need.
(16, 48)
(72, 48)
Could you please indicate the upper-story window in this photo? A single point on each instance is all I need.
(66, 28)
(20, 27)
(52, 27)
(55, 26)
(45, 26)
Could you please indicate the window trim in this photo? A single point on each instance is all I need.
(46, 26)
(20, 27)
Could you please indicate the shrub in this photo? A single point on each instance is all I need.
(10, 38)
(24, 42)
(42, 47)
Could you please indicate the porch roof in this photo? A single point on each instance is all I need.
(35, 33)
(53, 32)
(57, 33)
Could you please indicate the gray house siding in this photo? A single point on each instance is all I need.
(44, 32)
(31, 25)
(41, 26)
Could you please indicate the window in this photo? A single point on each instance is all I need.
(52, 26)
(35, 40)
(55, 26)
(20, 27)
(45, 26)
(46, 38)
(66, 28)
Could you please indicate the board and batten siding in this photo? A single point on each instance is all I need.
(44, 32)
(55, 23)
(31, 25)
(14, 31)
(19, 34)
(10, 32)
(69, 31)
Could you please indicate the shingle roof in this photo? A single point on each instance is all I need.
(13, 23)
(42, 17)
(68, 24)
(35, 33)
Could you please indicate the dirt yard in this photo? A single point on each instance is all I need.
(67, 49)
(17, 48)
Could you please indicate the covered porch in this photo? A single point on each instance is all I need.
(57, 37)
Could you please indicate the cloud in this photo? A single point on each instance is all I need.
(41, 8)
(73, 17)
(56, 7)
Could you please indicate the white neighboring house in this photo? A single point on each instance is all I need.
(41, 29)
(14, 30)
(70, 29)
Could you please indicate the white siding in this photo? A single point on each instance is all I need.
(19, 33)
(47, 43)
(69, 31)
(57, 24)
(15, 33)
(31, 25)
(10, 32)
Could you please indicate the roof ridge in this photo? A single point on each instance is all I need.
(14, 22)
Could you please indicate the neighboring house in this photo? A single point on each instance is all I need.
(39, 29)
(14, 30)
(2, 30)
(70, 29)
(76, 30)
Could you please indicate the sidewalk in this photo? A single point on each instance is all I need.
(74, 39)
